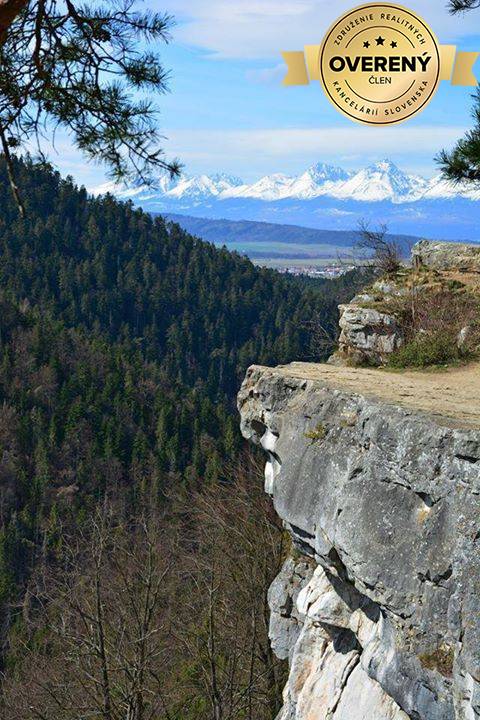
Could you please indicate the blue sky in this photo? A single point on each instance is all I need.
(228, 111)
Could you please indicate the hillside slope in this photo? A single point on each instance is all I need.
(203, 313)
(122, 342)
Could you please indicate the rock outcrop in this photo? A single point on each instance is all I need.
(378, 610)
(379, 321)
(447, 256)
(368, 336)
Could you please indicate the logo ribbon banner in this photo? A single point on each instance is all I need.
(457, 67)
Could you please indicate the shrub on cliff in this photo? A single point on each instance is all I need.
(427, 349)
(442, 326)
(383, 252)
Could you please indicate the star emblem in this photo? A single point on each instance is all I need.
(379, 40)
(366, 44)
(393, 44)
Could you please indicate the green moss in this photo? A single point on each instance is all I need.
(318, 433)
(384, 306)
(441, 660)
(455, 285)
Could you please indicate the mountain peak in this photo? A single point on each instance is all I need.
(380, 181)
(386, 166)
(323, 172)
(222, 177)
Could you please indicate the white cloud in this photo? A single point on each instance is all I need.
(253, 153)
(336, 212)
(252, 29)
(291, 150)
(267, 76)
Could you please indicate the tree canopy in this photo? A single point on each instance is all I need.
(462, 163)
(123, 341)
(91, 69)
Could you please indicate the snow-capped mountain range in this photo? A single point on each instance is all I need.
(323, 197)
(383, 181)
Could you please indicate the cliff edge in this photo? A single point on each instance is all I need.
(376, 476)
(427, 312)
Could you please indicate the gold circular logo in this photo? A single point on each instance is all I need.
(380, 64)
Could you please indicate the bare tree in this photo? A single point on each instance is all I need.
(323, 339)
(382, 251)
(227, 570)
(158, 617)
(107, 618)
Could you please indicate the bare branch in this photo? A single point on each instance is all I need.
(381, 250)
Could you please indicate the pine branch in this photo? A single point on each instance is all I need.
(82, 67)
(462, 164)
(11, 174)
(457, 6)
(9, 10)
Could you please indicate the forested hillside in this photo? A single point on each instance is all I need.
(123, 341)
(201, 313)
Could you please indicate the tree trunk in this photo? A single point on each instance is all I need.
(11, 172)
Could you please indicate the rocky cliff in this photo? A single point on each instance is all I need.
(439, 290)
(377, 478)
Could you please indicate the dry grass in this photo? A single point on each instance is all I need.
(432, 308)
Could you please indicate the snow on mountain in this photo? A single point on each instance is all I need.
(440, 189)
(135, 190)
(317, 180)
(203, 186)
(322, 173)
(271, 187)
(383, 181)
(311, 183)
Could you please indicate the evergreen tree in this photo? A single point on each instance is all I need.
(457, 6)
(80, 66)
(462, 164)
(123, 342)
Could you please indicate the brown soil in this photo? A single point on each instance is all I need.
(451, 395)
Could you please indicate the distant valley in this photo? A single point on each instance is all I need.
(278, 245)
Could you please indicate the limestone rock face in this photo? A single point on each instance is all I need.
(367, 336)
(382, 622)
(447, 256)
(380, 320)
(286, 619)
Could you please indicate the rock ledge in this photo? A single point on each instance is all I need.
(383, 621)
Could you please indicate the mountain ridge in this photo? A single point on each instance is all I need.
(271, 240)
(379, 181)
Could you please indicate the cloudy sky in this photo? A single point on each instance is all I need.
(228, 111)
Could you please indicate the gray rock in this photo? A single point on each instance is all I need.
(285, 619)
(446, 256)
(387, 501)
(367, 336)
(462, 336)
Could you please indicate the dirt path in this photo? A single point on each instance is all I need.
(450, 394)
